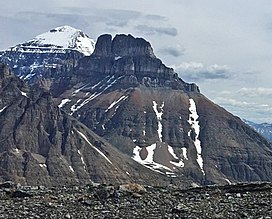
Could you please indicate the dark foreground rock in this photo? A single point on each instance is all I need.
(137, 201)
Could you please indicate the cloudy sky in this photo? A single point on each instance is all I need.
(223, 46)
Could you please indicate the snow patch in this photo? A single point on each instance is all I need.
(117, 57)
(82, 160)
(79, 89)
(228, 181)
(1, 110)
(43, 165)
(23, 93)
(62, 38)
(76, 107)
(122, 98)
(159, 117)
(172, 152)
(72, 169)
(184, 153)
(144, 132)
(149, 160)
(28, 76)
(100, 152)
(193, 116)
(63, 102)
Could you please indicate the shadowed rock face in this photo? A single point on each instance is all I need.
(131, 59)
(122, 45)
(40, 144)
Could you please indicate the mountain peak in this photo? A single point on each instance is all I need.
(60, 39)
(122, 45)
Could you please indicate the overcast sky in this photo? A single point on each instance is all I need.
(225, 46)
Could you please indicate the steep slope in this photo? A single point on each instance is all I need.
(48, 54)
(265, 129)
(41, 145)
(127, 95)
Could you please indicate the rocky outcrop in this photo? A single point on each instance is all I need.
(122, 45)
(132, 60)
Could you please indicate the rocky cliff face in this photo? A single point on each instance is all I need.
(131, 61)
(41, 145)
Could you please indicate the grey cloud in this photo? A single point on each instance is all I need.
(255, 92)
(155, 17)
(257, 112)
(172, 51)
(193, 71)
(149, 30)
(109, 17)
(117, 23)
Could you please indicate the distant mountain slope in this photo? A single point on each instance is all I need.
(41, 145)
(54, 51)
(264, 129)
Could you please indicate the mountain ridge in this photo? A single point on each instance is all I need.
(265, 129)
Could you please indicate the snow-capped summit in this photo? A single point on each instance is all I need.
(49, 53)
(59, 39)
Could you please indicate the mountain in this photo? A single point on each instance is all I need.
(125, 94)
(54, 51)
(265, 129)
(42, 145)
(128, 96)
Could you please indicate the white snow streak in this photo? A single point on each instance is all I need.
(100, 152)
(23, 93)
(1, 110)
(117, 57)
(63, 102)
(178, 164)
(184, 153)
(228, 181)
(76, 107)
(144, 132)
(159, 117)
(193, 116)
(82, 160)
(116, 102)
(79, 89)
(71, 168)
